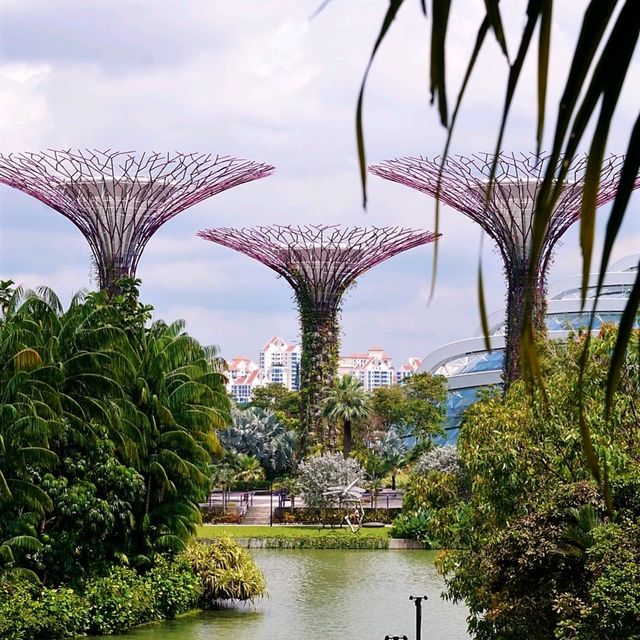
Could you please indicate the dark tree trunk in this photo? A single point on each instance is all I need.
(347, 434)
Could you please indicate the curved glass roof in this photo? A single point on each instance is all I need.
(573, 321)
(477, 362)
(608, 291)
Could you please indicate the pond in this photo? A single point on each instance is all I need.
(329, 595)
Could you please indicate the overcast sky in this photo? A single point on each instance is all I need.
(260, 80)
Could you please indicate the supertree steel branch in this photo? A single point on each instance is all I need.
(504, 210)
(320, 263)
(118, 200)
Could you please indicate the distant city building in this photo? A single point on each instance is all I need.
(375, 369)
(407, 369)
(243, 376)
(280, 362)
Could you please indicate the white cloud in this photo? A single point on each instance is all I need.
(260, 80)
(24, 115)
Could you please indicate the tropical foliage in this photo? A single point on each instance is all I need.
(416, 407)
(318, 473)
(539, 552)
(346, 402)
(586, 111)
(108, 433)
(226, 571)
(260, 433)
(108, 430)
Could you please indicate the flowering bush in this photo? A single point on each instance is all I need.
(443, 459)
(319, 473)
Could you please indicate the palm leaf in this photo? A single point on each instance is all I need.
(438, 36)
(26, 360)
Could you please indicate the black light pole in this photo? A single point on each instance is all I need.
(271, 503)
(418, 602)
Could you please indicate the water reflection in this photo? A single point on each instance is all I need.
(329, 595)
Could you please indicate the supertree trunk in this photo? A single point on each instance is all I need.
(519, 290)
(319, 366)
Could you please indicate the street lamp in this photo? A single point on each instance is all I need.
(271, 503)
(418, 602)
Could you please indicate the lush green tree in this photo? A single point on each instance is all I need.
(387, 404)
(248, 469)
(184, 402)
(277, 398)
(347, 402)
(57, 382)
(417, 406)
(107, 431)
(535, 518)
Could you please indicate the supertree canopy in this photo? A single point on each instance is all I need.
(118, 200)
(504, 210)
(320, 263)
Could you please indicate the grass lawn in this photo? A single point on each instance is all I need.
(288, 531)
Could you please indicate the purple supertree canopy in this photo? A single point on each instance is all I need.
(505, 210)
(507, 215)
(322, 260)
(118, 200)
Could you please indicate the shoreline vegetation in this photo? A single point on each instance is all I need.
(308, 537)
(198, 579)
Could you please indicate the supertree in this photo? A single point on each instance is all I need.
(118, 200)
(504, 209)
(320, 263)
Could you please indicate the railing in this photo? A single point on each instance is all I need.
(222, 499)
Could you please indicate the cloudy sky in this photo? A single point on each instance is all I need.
(262, 80)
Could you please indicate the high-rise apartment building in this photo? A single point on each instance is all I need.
(374, 369)
(280, 362)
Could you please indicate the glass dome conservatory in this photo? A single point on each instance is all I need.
(469, 366)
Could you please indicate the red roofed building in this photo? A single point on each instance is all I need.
(243, 376)
(375, 368)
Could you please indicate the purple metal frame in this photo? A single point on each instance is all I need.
(505, 214)
(319, 260)
(118, 200)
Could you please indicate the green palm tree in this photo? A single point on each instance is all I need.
(248, 469)
(223, 475)
(346, 402)
(180, 391)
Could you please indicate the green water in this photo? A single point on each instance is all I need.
(329, 595)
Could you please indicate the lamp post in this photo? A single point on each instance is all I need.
(418, 602)
(271, 503)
